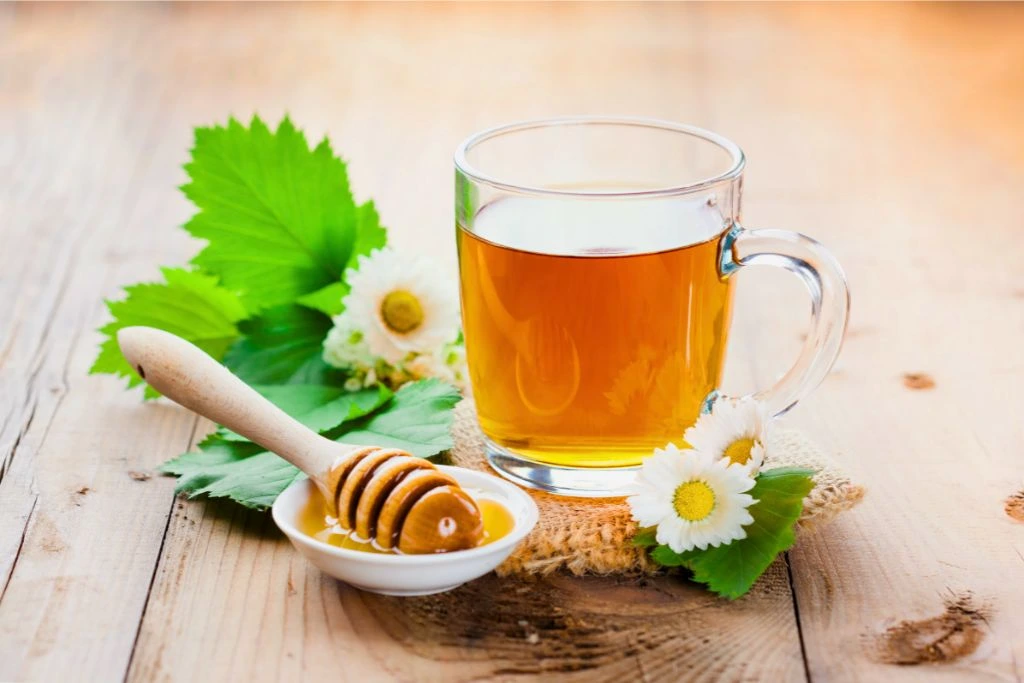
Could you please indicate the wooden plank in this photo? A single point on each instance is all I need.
(850, 117)
(924, 581)
(79, 535)
(230, 599)
(233, 601)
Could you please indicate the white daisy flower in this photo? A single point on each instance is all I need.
(449, 365)
(344, 346)
(401, 304)
(429, 365)
(693, 499)
(737, 430)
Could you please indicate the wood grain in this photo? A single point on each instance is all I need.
(891, 133)
(217, 558)
(79, 537)
(924, 581)
(394, 637)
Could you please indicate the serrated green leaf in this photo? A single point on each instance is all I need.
(731, 570)
(283, 346)
(279, 217)
(667, 557)
(212, 451)
(320, 407)
(417, 420)
(326, 300)
(255, 485)
(189, 304)
(371, 234)
(645, 538)
(226, 470)
(421, 415)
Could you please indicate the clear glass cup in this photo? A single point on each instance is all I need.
(595, 257)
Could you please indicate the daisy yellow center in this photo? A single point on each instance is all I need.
(401, 311)
(694, 500)
(739, 451)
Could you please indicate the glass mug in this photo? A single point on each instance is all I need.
(595, 257)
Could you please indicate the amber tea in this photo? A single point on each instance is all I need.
(595, 331)
(596, 258)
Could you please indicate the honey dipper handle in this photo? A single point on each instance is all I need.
(185, 374)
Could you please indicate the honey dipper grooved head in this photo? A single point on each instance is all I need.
(403, 502)
(355, 481)
(339, 472)
(442, 520)
(377, 490)
(400, 501)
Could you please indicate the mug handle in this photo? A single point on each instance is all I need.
(830, 304)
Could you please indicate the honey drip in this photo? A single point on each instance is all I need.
(315, 521)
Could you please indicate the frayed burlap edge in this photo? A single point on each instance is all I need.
(592, 536)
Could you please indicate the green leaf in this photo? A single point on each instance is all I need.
(279, 217)
(645, 538)
(320, 407)
(731, 570)
(667, 557)
(283, 346)
(232, 470)
(326, 300)
(212, 451)
(188, 304)
(417, 419)
(370, 235)
(255, 482)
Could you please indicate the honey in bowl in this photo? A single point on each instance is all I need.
(315, 520)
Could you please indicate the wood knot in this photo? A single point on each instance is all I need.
(1015, 506)
(947, 637)
(556, 624)
(918, 380)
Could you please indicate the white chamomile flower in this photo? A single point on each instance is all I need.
(345, 346)
(734, 429)
(401, 304)
(455, 358)
(429, 365)
(449, 365)
(693, 499)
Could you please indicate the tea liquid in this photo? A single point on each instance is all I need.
(594, 331)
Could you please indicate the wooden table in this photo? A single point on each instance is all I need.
(892, 133)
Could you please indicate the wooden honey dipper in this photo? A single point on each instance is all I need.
(385, 494)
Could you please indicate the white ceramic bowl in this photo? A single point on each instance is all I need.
(410, 574)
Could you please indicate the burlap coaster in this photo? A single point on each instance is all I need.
(592, 536)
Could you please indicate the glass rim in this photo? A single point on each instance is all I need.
(463, 165)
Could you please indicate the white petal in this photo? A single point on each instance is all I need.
(693, 463)
(745, 500)
(756, 458)
(672, 532)
(660, 467)
(649, 510)
(699, 538)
